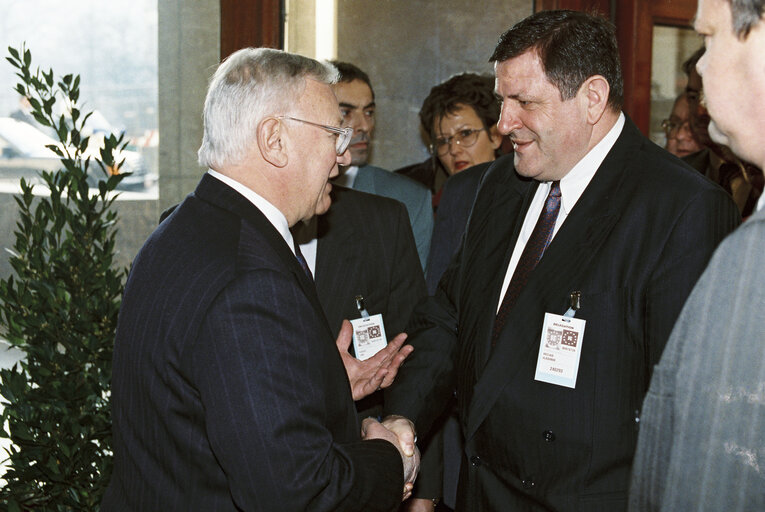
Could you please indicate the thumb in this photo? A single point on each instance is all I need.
(343, 341)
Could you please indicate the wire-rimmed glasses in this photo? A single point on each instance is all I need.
(464, 138)
(344, 135)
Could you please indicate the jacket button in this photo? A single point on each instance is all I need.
(528, 483)
(476, 460)
(548, 436)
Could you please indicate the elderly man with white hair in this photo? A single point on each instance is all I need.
(228, 389)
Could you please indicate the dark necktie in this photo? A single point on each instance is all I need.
(302, 261)
(532, 253)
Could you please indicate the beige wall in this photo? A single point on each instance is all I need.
(407, 47)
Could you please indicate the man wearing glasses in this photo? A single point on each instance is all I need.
(228, 392)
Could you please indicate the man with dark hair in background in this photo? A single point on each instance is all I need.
(357, 104)
(580, 251)
(702, 434)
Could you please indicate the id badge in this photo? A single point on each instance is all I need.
(559, 350)
(368, 336)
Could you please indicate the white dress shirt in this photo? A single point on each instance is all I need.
(572, 186)
(346, 178)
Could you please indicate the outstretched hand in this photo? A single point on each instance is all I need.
(378, 371)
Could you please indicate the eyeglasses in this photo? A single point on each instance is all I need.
(464, 138)
(344, 135)
(672, 128)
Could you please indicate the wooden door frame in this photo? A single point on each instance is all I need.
(634, 20)
(245, 23)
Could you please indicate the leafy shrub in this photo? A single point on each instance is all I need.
(60, 308)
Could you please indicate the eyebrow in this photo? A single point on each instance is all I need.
(353, 107)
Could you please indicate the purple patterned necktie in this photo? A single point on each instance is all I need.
(302, 261)
(532, 253)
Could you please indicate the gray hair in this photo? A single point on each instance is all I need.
(746, 15)
(250, 85)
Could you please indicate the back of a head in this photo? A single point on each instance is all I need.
(348, 72)
(572, 46)
(251, 84)
(466, 89)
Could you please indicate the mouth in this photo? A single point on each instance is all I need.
(520, 145)
(461, 164)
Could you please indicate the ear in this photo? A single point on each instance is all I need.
(271, 143)
(594, 94)
(496, 138)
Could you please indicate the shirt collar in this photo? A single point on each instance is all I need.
(572, 185)
(347, 178)
(272, 213)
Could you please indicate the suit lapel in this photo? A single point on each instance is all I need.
(221, 195)
(558, 273)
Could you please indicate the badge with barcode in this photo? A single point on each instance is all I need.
(368, 336)
(559, 350)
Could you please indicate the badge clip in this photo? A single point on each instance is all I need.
(575, 303)
(361, 306)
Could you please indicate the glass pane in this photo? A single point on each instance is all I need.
(671, 47)
(113, 47)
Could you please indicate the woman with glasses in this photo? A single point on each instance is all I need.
(460, 118)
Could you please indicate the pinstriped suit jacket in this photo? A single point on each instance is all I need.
(365, 247)
(634, 245)
(414, 195)
(228, 392)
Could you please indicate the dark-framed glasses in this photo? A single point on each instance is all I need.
(464, 138)
(344, 135)
(672, 127)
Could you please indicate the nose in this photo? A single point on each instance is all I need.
(359, 123)
(345, 158)
(454, 146)
(508, 120)
(684, 131)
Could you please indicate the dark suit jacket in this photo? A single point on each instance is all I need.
(228, 392)
(365, 247)
(451, 218)
(634, 245)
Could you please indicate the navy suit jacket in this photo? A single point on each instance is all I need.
(228, 392)
(415, 196)
(451, 218)
(634, 245)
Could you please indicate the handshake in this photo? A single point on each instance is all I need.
(398, 431)
(377, 372)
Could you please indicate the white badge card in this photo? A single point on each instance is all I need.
(559, 350)
(368, 336)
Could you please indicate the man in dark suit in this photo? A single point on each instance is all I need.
(228, 391)
(363, 246)
(548, 406)
(357, 104)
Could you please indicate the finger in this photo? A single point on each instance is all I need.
(344, 337)
(375, 383)
(395, 364)
(366, 423)
(404, 431)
